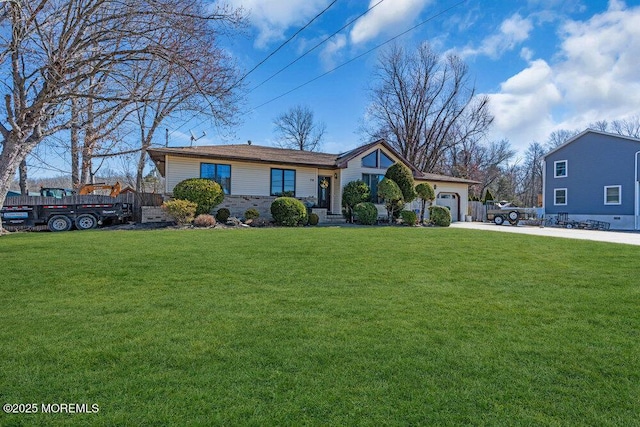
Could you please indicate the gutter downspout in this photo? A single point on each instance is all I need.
(544, 188)
(637, 194)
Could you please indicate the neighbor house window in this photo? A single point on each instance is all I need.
(378, 160)
(612, 194)
(218, 173)
(372, 181)
(560, 196)
(560, 169)
(283, 182)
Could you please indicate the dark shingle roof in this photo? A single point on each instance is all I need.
(262, 154)
(254, 153)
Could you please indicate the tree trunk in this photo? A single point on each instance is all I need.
(24, 190)
(10, 158)
(75, 146)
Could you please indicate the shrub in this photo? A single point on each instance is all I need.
(251, 213)
(366, 213)
(409, 217)
(392, 195)
(440, 216)
(402, 176)
(288, 211)
(223, 214)
(353, 193)
(426, 193)
(204, 220)
(313, 219)
(182, 211)
(206, 194)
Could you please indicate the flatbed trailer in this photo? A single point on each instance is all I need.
(63, 214)
(499, 213)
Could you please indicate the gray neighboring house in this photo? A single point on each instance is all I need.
(594, 175)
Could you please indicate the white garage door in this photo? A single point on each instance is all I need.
(449, 200)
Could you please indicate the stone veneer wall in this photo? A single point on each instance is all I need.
(238, 205)
(154, 214)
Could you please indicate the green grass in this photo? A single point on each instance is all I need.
(320, 326)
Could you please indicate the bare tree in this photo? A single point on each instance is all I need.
(559, 137)
(424, 105)
(296, 129)
(531, 174)
(627, 127)
(52, 50)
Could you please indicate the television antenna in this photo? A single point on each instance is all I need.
(194, 138)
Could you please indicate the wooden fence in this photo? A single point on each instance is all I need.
(478, 211)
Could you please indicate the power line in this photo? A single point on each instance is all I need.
(429, 19)
(362, 54)
(283, 44)
(264, 60)
(317, 45)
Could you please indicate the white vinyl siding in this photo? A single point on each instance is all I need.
(613, 195)
(560, 196)
(247, 179)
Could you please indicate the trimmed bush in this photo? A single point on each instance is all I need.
(313, 219)
(223, 214)
(440, 216)
(206, 194)
(353, 193)
(401, 175)
(204, 220)
(392, 195)
(427, 194)
(182, 211)
(251, 213)
(409, 217)
(366, 213)
(288, 211)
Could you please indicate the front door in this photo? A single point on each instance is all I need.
(324, 192)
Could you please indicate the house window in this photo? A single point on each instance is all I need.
(370, 160)
(560, 169)
(613, 195)
(377, 159)
(385, 161)
(372, 181)
(218, 173)
(283, 182)
(560, 196)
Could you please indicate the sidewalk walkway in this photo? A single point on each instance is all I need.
(630, 238)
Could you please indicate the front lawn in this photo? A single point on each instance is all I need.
(320, 326)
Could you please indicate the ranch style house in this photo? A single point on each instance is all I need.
(252, 176)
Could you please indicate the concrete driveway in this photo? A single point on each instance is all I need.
(630, 238)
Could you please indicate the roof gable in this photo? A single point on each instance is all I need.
(588, 131)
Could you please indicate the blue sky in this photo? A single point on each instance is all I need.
(545, 64)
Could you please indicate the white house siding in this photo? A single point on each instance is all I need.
(247, 179)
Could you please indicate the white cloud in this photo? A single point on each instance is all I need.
(273, 17)
(522, 108)
(594, 77)
(513, 31)
(331, 49)
(389, 16)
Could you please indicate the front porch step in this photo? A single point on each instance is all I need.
(334, 219)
